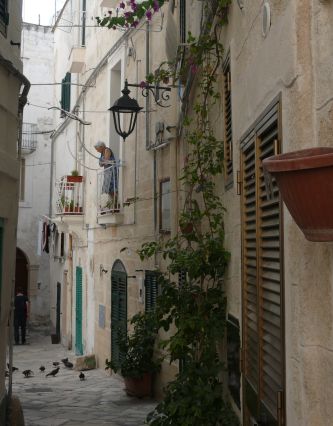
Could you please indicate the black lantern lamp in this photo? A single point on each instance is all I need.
(125, 105)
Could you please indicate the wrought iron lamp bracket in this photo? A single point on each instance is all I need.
(160, 93)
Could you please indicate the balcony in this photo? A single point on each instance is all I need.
(29, 138)
(69, 191)
(108, 201)
(77, 60)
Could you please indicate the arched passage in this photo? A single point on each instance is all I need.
(118, 309)
(21, 271)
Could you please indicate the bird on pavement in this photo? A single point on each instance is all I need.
(53, 372)
(27, 373)
(82, 376)
(13, 368)
(68, 364)
(64, 360)
(42, 368)
(56, 363)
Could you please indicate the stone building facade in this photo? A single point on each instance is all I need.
(14, 90)
(276, 96)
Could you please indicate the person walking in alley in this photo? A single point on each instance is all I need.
(110, 181)
(21, 305)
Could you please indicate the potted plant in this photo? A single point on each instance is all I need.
(305, 181)
(138, 363)
(74, 177)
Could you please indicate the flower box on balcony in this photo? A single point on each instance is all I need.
(74, 179)
(305, 181)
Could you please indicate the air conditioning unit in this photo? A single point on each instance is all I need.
(109, 3)
(77, 59)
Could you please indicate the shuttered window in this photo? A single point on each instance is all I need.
(151, 290)
(182, 21)
(227, 123)
(4, 17)
(78, 313)
(118, 313)
(263, 326)
(66, 94)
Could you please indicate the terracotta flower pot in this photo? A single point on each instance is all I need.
(305, 181)
(139, 387)
(74, 179)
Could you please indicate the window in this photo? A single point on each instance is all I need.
(62, 244)
(66, 94)
(227, 123)
(22, 179)
(151, 290)
(4, 16)
(83, 23)
(182, 21)
(262, 276)
(165, 201)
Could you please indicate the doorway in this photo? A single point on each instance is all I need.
(21, 272)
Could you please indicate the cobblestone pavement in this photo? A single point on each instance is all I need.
(64, 399)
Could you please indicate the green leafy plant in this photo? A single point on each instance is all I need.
(74, 173)
(138, 348)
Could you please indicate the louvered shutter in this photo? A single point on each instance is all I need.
(227, 115)
(66, 93)
(118, 313)
(263, 328)
(78, 313)
(182, 21)
(151, 290)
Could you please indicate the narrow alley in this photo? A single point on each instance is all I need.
(65, 399)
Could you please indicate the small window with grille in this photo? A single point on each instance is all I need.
(165, 206)
(151, 290)
(227, 123)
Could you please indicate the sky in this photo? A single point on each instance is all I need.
(44, 8)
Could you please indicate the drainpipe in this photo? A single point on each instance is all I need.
(136, 149)
(23, 98)
(148, 137)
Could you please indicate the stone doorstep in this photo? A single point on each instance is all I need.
(86, 362)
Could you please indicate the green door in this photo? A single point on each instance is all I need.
(118, 309)
(78, 313)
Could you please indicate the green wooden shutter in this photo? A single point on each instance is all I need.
(151, 290)
(118, 313)
(182, 21)
(263, 327)
(66, 93)
(78, 313)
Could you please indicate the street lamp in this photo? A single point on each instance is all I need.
(127, 105)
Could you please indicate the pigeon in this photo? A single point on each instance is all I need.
(6, 373)
(53, 372)
(82, 376)
(27, 373)
(56, 363)
(68, 364)
(13, 368)
(64, 360)
(42, 368)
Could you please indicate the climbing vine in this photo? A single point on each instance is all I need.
(192, 311)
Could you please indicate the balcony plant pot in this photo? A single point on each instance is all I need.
(74, 179)
(305, 181)
(139, 387)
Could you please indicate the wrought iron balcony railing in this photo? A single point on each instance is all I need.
(69, 195)
(108, 190)
(29, 137)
